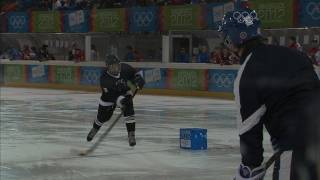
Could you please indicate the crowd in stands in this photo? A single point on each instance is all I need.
(24, 5)
(42, 53)
(27, 53)
(220, 55)
(223, 56)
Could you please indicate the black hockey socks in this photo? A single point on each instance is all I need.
(131, 127)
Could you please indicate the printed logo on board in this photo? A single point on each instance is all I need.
(109, 20)
(143, 19)
(91, 76)
(37, 71)
(223, 80)
(313, 9)
(181, 17)
(18, 22)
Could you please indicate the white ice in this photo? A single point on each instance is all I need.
(39, 128)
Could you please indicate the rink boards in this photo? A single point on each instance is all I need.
(186, 80)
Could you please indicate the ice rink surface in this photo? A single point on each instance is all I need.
(39, 129)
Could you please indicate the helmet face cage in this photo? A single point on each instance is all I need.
(114, 69)
(113, 65)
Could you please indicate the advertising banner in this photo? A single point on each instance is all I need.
(37, 73)
(143, 19)
(309, 13)
(216, 12)
(186, 17)
(18, 22)
(106, 20)
(14, 73)
(187, 79)
(76, 21)
(3, 24)
(221, 80)
(155, 78)
(46, 21)
(90, 75)
(65, 74)
(274, 13)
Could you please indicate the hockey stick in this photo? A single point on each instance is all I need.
(272, 159)
(96, 144)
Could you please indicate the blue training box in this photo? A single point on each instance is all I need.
(193, 138)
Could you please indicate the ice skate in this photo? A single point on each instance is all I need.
(131, 138)
(91, 134)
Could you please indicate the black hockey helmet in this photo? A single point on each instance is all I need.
(113, 65)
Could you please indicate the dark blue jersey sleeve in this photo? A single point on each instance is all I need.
(250, 112)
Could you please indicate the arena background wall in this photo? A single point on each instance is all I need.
(181, 80)
(201, 80)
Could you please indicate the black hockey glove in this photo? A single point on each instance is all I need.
(127, 100)
(139, 81)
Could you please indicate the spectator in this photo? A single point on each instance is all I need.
(313, 50)
(26, 53)
(203, 56)
(4, 54)
(183, 56)
(79, 55)
(235, 59)
(130, 54)
(72, 52)
(138, 56)
(293, 44)
(317, 57)
(94, 53)
(15, 54)
(57, 4)
(226, 57)
(177, 2)
(44, 54)
(33, 53)
(217, 55)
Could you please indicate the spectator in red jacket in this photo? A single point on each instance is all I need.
(293, 44)
(313, 50)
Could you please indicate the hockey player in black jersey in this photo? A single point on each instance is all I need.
(116, 93)
(277, 88)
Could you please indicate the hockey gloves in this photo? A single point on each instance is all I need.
(139, 81)
(246, 173)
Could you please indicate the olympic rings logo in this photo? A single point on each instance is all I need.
(143, 18)
(245, 17)
(17, 21)
(91, 77)
(313, 9)
(223, 80)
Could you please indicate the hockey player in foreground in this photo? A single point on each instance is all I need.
(116, 93)
(278, 88)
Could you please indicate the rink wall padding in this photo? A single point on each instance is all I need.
(163, 81)
(1, 74)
